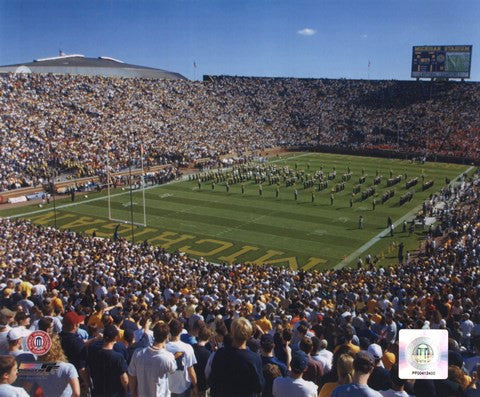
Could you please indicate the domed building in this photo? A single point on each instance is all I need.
(80, 65)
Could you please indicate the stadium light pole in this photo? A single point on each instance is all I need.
(51, 179)
(54, 201)
(108, 181)
(143, 186)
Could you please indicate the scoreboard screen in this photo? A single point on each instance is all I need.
(444, 61)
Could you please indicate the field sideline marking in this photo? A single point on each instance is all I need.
(383, 233)
(94, 199)
(182, 179)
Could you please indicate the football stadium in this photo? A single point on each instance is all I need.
(239, 235)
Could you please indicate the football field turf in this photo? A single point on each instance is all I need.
(233, 227)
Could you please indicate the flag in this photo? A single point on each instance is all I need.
(369, 63)
(141, 149)
(194, 64)
(61, 53)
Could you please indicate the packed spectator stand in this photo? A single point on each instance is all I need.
(134, 317)
(63, 124)
(135, 320)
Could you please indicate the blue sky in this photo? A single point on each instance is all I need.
(294, 38)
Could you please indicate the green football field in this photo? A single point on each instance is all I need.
(233, 227)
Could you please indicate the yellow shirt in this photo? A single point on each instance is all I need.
(354, 348)
(371, 305)
(95, 320)
(26, 286)
(388, 360)
(264, 324)
(57, 303)
(327, 389)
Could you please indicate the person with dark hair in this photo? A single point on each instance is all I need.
(266, 345)
(236, 371)
(282, 349)
(148, 371)
(202, 354)
(184, 380)
(398, 385)
(8, 375)
(471, 364)
(349, 341)
(294, 384)
(314, 371)
(108, 369)
(363, 365)
(270, 373)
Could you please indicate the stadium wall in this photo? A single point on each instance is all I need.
(383, 153)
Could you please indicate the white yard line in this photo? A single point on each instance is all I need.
(289, 158)
(239, 226)
(374, 240)
(183, 178)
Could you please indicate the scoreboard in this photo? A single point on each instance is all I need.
(444, 61)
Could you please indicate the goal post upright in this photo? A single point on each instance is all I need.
(109, 191)
(108, 183)
(143, 186)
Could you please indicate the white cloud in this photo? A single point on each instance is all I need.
(307, 32)
(364, 36)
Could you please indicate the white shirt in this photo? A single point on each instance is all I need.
(467, 327)
(393, 393)
(151, 367)
(7, 390)
(289, 387)
(57, 384)
(325, 357)
(180, 380)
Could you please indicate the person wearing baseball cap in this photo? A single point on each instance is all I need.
(294, 385)
(363, 365)
(15, 338)
(73, 345)
(380, 378)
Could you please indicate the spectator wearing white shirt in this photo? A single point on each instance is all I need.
(184, 378)
(322, 354)
(149, 369)
(8, 375)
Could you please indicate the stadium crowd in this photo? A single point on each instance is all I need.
(67, 123)
(135, 319)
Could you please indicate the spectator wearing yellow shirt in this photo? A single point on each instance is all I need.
(344, 374)
(372, 304)
(56, 302)
(348, 342)
(95, 320)
(264, 323)
(26, 286)
(390, 353)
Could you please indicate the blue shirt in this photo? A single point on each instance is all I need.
(275, 361)
(354, 390)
